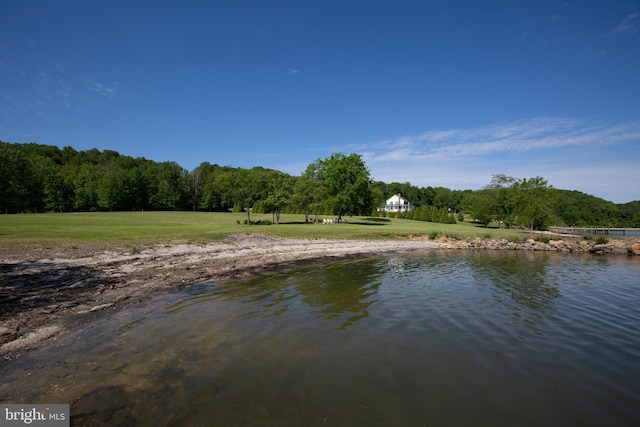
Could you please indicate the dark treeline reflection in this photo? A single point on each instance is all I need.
(519, 279)
(338, 289)
(347, 289)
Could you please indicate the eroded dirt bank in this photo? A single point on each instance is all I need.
(38, 289)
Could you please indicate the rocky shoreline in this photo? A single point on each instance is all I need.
(42, 289)
(557, 244)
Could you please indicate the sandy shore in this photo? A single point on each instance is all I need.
(38, 290)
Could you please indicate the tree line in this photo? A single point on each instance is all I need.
(43, 178)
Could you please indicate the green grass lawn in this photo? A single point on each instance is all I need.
(110, 229)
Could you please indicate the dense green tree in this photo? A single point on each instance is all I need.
(378, 198)
(632, 217)
(211, 198)
(346, 182)
(260, 182)
(534, 201)
(442, 198)
(501, 203)
(280, 194)
(58, 194)
(466, 201)
(19, 191)
(138, 187)
(494, 202)
(246, 187)
(307, 194)
(193, 186)
(218, 188)
(428, 195)
(483, 210)
(167, 190)
(113, 190)
(85, 182)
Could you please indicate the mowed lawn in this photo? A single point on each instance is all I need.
(19, 232)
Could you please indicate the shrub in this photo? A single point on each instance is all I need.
(261, 222)
(602, 240)
(433, 235)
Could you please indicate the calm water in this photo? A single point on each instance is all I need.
(422, 339)
(632, 234)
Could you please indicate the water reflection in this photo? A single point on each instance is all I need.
(520, 280)
(401, 340)
(342, 290)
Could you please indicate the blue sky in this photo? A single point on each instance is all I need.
(436, 93)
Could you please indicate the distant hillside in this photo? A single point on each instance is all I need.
(43, 178)
(574, 208)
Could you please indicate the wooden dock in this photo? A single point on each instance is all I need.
(606, 231)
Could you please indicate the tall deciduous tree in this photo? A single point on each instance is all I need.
(346, 183)
(113, 190)
(15, 180)
(482, 208)
(167, 191)
(498, 190)
(86, 181)
(280, 194)
(193, 186)
(534, 202)
(307, 193)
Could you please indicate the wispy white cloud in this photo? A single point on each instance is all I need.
(561, 150)
(101, 89)
(48, 91)
(518, 136)
(629, 26)
(626, 31)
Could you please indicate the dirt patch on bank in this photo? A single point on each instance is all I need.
(38, 289)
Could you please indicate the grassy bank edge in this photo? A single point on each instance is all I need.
(109, 230)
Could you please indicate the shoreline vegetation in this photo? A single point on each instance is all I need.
(58, 269)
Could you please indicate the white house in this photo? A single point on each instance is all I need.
(396, 204)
